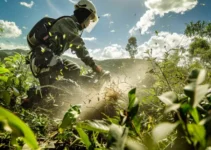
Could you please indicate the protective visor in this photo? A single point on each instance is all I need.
(93, 21)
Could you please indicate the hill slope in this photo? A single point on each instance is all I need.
(126, 74)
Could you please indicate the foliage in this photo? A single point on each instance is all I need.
(172, 113)
(131, 47)
(200, 28)
(200, 48)
(187, 111)
(17, 127)
(15, 79)
(1, 29)
(70, 117)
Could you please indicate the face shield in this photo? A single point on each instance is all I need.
(91, 22)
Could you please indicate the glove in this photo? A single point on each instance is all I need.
(97, 69)
(102, 73)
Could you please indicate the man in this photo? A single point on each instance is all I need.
(64, 34)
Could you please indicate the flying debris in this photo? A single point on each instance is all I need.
(151, 71)
(140, 30)
(156, 32)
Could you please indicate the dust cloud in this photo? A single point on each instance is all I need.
(96, 103)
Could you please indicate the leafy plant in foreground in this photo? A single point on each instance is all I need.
(15, 79)
(18, 128)
(191, 117)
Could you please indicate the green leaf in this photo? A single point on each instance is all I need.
(195, 115)
(200, 92)
(201, 77)
(95, 125)
(1, 29)
(15, 91)
(162, 130)
(3, 71)
(205, 120)
(84, 137)
(16, 81)
(189, 90)
(197, 133)
(3, 78)
(186, 108)
(134, 109)
(132, 98)
(19, 128)
(70, 116)
(137, 123)
(6, 97)
(172, 107)
(131, 144)
(168, 98)
(8, 59)
(118, 137)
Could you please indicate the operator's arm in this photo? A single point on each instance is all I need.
(68, 38)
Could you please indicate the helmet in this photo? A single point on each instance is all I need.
(93, 17)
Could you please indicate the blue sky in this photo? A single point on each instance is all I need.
(117, 19)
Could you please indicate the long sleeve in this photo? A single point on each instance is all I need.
(65, 35)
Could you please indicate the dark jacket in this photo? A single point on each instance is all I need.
(64, 35)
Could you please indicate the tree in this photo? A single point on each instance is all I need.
(200, 48)
(132, 47)
(200, 28)
(1, 30)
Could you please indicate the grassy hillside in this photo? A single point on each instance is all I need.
(142, 106)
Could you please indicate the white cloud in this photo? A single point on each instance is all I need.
(166, 6)
(159, 45)
(10, 30)
(28, 5)
(161, 7)
(24, 27)
(73, 1)
(114, 51)
(163, 43)
(113, 31)
(89, 38)
(12, 46)
(106, 15)
(111, 22)
(146, 21)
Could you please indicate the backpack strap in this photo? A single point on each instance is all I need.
(45, 38)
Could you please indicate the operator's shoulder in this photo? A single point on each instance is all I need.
(68, 20)
(65, 24)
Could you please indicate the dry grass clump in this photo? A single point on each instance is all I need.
(111, 94)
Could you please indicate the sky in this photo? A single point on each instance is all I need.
(119, 19)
